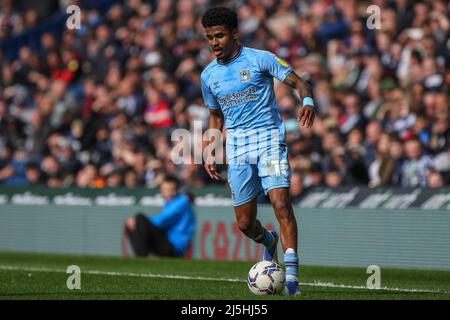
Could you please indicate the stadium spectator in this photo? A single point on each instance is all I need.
(373, 134)
(168, 233)
(13, 172)
(333, 178)
(352, 117)
(415, 169)
(88, 177)
(315, 176)
(435, 179)
(441, 163)
(33, 174)
(130, 179)
(391, 164)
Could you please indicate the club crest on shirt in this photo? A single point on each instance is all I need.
(245, 75)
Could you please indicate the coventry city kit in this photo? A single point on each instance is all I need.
(256, 149)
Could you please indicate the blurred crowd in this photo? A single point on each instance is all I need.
(96, 108)
(12, 22)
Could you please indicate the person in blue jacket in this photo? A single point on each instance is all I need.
(168, 233)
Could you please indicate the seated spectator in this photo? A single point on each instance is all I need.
(33, 174)
(422, 130)
(168, 233)
(333, 178)
(440, 135)
(114, 178)
(157, 112)
(50, 166)
(416, 166)
(66, 157)
(353, 118)
(56, 181)
(88, 177)
(13, 172)
(391, 163)
(435, 179)
(441, 163)
(130, 179)
(316, 176)
(397, 116)
(373, 135)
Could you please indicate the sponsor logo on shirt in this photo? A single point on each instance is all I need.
(245, 75)
(238, 98)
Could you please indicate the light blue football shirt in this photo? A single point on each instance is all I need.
(243, 88)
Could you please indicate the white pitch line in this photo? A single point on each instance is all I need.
(344, 286)
(167, 276)
(121, 274)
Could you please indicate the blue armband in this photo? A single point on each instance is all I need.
(308, 101)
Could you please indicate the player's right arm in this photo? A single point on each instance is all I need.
(215, 122)
(216, 119)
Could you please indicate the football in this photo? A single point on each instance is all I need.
(266, 278)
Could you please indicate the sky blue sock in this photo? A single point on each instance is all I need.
(291, 264)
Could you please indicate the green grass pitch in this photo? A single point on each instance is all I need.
(43, 276)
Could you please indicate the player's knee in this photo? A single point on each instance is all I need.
(245, 224)
(282, 209)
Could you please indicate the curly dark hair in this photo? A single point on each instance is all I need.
(220, 16)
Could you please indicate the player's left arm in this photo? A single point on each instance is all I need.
(305, 114)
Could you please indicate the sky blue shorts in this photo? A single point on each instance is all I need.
(270, 171)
